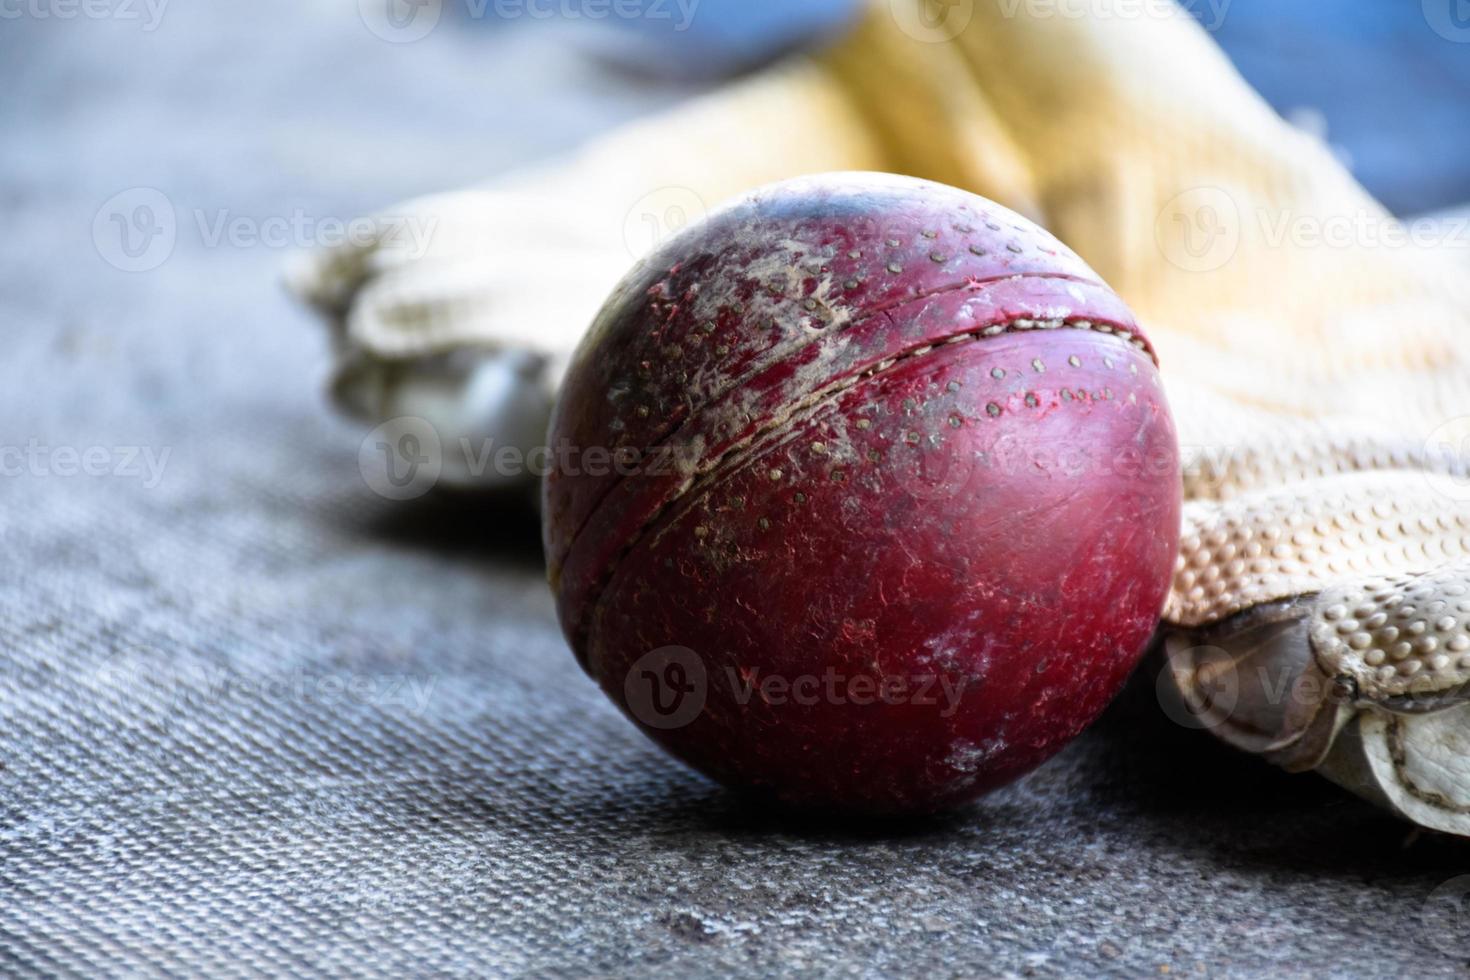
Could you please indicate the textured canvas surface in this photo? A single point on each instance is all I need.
(256, 718)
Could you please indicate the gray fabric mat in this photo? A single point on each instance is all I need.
(254, 718)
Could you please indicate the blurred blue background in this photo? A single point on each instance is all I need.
(1371, 76)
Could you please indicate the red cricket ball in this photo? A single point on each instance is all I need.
(865, 495)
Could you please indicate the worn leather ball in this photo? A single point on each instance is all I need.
(864, 495)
